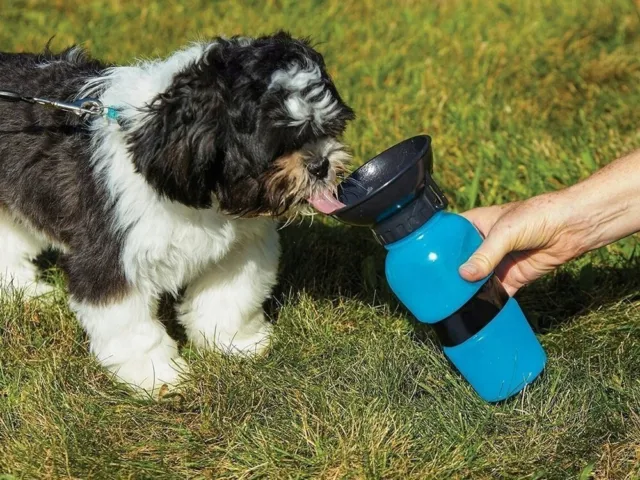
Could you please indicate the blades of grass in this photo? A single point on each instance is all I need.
(474, 188)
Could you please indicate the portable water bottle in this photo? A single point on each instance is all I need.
(483, 332)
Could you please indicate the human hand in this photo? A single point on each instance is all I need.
(525, 240)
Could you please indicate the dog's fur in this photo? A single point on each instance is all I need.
(214, 142)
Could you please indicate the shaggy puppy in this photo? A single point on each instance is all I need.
(211, 144)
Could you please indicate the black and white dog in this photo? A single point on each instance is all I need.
(212, 144)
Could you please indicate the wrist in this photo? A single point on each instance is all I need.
(603, 209)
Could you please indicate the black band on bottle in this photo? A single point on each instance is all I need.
(473, 315)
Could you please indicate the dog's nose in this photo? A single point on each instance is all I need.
(319, 168)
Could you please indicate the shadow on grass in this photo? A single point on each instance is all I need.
(334, 262)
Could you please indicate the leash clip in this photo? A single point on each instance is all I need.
(83, 107)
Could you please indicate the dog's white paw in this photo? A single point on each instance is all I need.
(252, 338)
(38, 290)
(27, 289)
(152, 374)
(255, 342)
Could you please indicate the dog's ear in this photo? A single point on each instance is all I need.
(243, 111)
(238, 190)
(177, 144)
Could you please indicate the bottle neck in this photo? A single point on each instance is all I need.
(418, 232)
(412, 216)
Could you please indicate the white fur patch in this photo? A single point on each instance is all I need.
(223, 308)
(127, 339)
(19, 245)
(317, 106)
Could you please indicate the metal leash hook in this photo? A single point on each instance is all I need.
(83, 107)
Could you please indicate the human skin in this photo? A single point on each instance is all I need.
(527, 239)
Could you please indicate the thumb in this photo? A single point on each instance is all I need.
(486, 258)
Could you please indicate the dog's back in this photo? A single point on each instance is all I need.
(44, 153)
(47, 74)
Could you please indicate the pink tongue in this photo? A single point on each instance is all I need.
(325, 203)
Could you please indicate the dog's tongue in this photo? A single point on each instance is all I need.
(325, 202)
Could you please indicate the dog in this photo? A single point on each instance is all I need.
(212, 146)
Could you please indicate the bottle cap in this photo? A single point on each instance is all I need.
(393, 193)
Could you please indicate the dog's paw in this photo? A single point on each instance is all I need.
(38, 290)
(154, 374)
(252, 343)
(27, 290)
(252, 339)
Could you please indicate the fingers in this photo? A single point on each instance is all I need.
(511, 290)
(495, 246)
(506, 273)
(487, 257)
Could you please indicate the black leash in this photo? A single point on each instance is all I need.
(83, 107)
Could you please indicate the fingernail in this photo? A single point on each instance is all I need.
(470, 268)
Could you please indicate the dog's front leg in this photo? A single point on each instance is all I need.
(126, 337)
(223, 308)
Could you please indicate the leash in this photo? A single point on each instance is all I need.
(83, 107)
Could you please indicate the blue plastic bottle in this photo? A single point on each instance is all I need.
(489, 339)
(483, 332)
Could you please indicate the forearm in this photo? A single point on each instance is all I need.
(608, 203)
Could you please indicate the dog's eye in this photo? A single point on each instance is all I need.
(298, 142)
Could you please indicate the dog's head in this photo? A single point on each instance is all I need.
(253, 123)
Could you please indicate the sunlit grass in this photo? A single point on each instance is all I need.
(520, 98)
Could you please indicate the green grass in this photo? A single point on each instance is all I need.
(520, 98)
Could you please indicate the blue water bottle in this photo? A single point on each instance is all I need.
(483, 332)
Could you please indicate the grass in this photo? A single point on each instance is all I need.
(520, 98)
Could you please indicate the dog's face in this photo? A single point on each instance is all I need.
(253, 123)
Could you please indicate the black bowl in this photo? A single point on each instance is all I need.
(386, 182)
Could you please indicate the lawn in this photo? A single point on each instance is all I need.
(520, 98)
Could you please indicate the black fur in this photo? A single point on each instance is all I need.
(218, 128)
